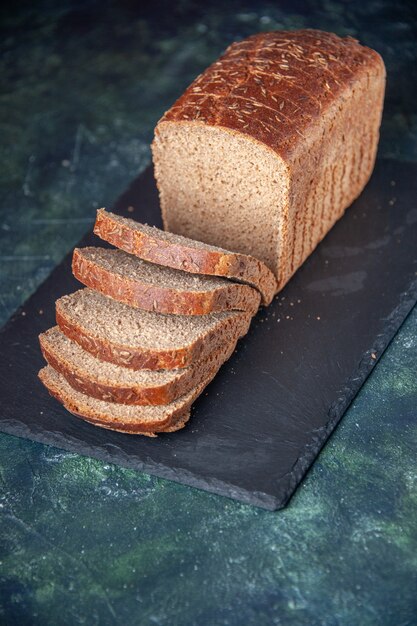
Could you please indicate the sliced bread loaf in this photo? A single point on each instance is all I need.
(158, 246)
(123, 417)
(114, 383)
(267, 147)
(147, 286)
(137, 339)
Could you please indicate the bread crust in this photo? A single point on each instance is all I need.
(237, 91)
(230, 297)
(83, 380)
(154, 249)
(136, 357)
(177, 424)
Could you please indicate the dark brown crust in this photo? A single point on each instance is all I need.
(173, 420)
(233, 296)
(138, 358)
(82, 380)
(190, 259)
(176, 425)
(287, 78)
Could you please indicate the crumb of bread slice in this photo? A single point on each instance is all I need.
(137, 339)
(148, 286)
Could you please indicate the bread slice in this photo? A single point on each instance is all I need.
(147, 286)
(123, 417)
(114, 383)
(137, 339)
(266, 148)
(158, 246)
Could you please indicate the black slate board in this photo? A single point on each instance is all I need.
(265, 417)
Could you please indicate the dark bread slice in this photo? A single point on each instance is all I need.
(147, 286)
(114, 383)
(137, 339)
(125, 418)
(178, 252)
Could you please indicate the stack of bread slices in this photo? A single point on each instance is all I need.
(158, 317)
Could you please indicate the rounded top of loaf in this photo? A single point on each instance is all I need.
(275, 86)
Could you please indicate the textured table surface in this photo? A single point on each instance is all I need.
(82, 542)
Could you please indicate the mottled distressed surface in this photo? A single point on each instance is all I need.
(86, 543)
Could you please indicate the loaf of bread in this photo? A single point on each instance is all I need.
(254, 164)
(158, 246)
(266, 148)
(151, 287)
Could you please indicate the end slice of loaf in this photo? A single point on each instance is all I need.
(164, 248)
(114, 383)
(120, 334)
(147, 286)
(122, 417)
